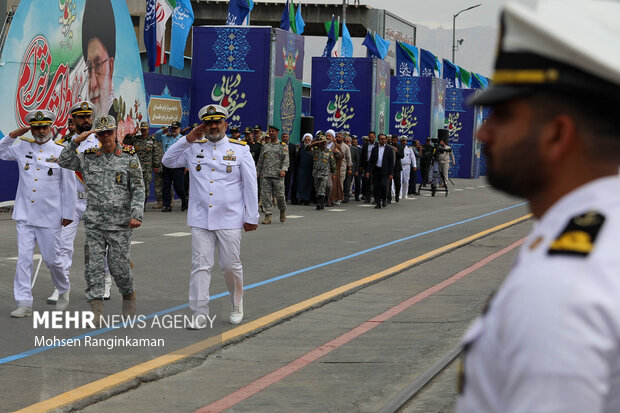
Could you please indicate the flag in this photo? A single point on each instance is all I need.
(450, 73)
(407, 57)
(182, 20)
(164, 11)
(478, 81)
(328, 27)
(371, 47)
(331, 40)
(238, 11)
(464, 77)
(382, 45)
(429, 64)
(291, 17)
(285, 20)
(299, 21)
(347, 44)
(150, 33)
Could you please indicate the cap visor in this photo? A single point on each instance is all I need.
(499, 93)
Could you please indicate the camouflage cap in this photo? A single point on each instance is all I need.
(105, 123)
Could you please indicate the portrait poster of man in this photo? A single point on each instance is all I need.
(57, 53)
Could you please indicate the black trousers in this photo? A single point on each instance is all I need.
(379, 185)
(357, 180)
(397, 184)
(175, 177)
(367, 186)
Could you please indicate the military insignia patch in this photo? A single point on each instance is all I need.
(38, 116)
(103, 121)
(211, 110)
(119, 178)
(578, 237)
(133, 164)
(84, 106)
(229, 169)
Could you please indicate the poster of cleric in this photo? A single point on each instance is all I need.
(58, 52)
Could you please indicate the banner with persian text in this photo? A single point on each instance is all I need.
(57, 53)
(342, 94)
(410, 108)
(459, 120)
(230, 67)
(288, 78)
(168, 99)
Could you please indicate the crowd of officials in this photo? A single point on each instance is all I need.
(297, 174)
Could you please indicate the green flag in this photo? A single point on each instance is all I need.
(291, 17)
(328, 25)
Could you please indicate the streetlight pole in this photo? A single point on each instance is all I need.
(454, 28)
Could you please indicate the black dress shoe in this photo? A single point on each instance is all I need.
(184, 205)
(384, 204)
(378, 206)
(167, 209)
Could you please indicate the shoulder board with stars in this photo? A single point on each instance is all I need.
(237, 141)
(129, 149)
(94, 149)
(203, 140)
(578, 237)
(60, 142)
(26, 139)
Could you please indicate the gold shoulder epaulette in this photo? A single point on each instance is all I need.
(203, 140)
(26, 139)
(237, 141)
(129, 149)
(91, 150)
(60, 142)
(579, 235)
(283, 144)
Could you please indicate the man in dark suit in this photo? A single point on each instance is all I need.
(366, 181)
(399, 152)
(381, 165)
(356, 153)
(289, 178)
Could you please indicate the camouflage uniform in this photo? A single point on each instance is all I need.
(322, 167)
(115, 195)
(273, 159)
(158, 181)
(148, 156)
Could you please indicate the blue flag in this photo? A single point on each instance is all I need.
(428, 64)
(150, 32)
(407, 57)
(285, 20)
(450, 73)
(371, 46)
(238, 10)
(382, 45)
(299, 21)
(331, 40)
(347, 44)
(478, 81)
(182, 20)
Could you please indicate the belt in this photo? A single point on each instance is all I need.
(81, 195)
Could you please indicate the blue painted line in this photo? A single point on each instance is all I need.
(265, 282)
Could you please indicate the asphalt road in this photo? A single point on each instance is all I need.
(313, 252)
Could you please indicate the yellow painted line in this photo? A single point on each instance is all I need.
(132, 373)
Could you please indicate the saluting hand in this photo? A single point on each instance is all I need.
(82, 136)
(19, 132)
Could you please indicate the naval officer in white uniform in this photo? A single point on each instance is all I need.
(550, 340)
(45, 200)
(223, 202)
(82, 115)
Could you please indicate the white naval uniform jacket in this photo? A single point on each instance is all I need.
(42, 200)
(222, 185)
(550, 340)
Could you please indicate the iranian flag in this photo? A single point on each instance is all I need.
(164, 11)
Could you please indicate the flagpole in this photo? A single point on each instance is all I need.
(339, 35)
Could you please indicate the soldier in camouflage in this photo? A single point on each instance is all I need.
(272, 166)
(146, 149)
(323, 166)
(113, 178)
(158, 179)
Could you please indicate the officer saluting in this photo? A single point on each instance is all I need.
(223, 201)
(550, 340)
(115, 206)
(45, 200)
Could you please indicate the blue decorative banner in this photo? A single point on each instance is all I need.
(410, 107)
(459, 121)
(167, 99)
(230, 67)
(342, 94)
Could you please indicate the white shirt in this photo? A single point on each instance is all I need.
(370, 146)
(223, 191)
(409, 158)
(42, 200)
(550, 341)
(380, 152)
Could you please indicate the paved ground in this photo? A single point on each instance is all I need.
(366, 372)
